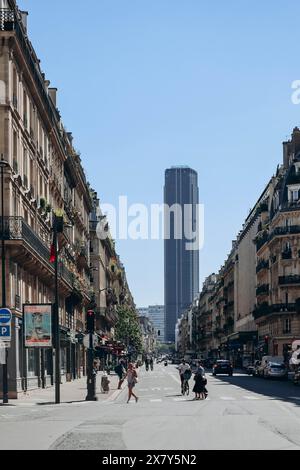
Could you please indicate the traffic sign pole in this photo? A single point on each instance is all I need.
(91, 377)
(3, 263)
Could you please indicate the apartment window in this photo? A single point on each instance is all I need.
(15, 152)
(32, 120)
(15, 88)
(287, 325)
(25, 109)
(294, 195)
(15, 202)
(25, 168)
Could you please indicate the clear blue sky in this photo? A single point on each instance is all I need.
(147, 84)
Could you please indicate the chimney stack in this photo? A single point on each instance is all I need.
(53, 93)
(24, 17)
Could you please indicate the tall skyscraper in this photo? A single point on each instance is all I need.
(181, 263)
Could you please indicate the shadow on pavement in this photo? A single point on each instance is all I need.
(283, 390)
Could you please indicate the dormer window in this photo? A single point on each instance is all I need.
(293, 194)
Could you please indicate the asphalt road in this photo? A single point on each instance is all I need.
(241, 412)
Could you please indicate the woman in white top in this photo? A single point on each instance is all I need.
(131, 381)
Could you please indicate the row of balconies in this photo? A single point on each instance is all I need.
(276, 232)
(15, 228)
(266, 309)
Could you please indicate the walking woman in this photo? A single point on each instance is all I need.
(200, 382)
(131, 381)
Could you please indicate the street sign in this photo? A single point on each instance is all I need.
(5, 316)
(4, 332)
(5, 324)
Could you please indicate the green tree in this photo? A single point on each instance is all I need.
(128, 330)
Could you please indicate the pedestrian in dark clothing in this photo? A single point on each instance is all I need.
(121, 372)
(200, 383)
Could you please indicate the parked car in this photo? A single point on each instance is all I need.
(251, 369)
(222, 366)
(264, 363)
(275, 370)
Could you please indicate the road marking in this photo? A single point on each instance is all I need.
(143, 389)
(155, 388)
(115, 395)
(227, 398)
(249, 397)
(179, 399)
(156, 400)
(168, 388)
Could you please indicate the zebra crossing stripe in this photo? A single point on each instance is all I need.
(156, 400)
(249, 397)
(227, 398)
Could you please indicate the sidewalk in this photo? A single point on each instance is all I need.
(70, 392)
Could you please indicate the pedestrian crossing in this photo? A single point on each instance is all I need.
(190, 398)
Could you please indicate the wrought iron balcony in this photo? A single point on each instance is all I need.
(266, 309)
(262, 264)
(292, 279)
(291, 229)
(15, 228)
(7, 19)
(260, 241)
(262, 289)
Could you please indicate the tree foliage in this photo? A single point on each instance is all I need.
(127, 328)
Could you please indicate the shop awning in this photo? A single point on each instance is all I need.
(242, 337)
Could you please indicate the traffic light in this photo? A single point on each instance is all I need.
(266, 344)
(90, 321)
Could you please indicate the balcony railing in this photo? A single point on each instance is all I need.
(7, 19)
(260, 241)
(291, 229)
(15, 228)
(292, 279)
(263, 264)
(266, 309)
(262, 290)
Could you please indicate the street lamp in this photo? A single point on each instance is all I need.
(3, 164)
(57, 227)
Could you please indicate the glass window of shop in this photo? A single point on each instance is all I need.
(63, 360)
(32, 362)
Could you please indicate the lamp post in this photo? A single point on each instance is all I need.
(56, 314)
(57, 227)
(3, 164)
